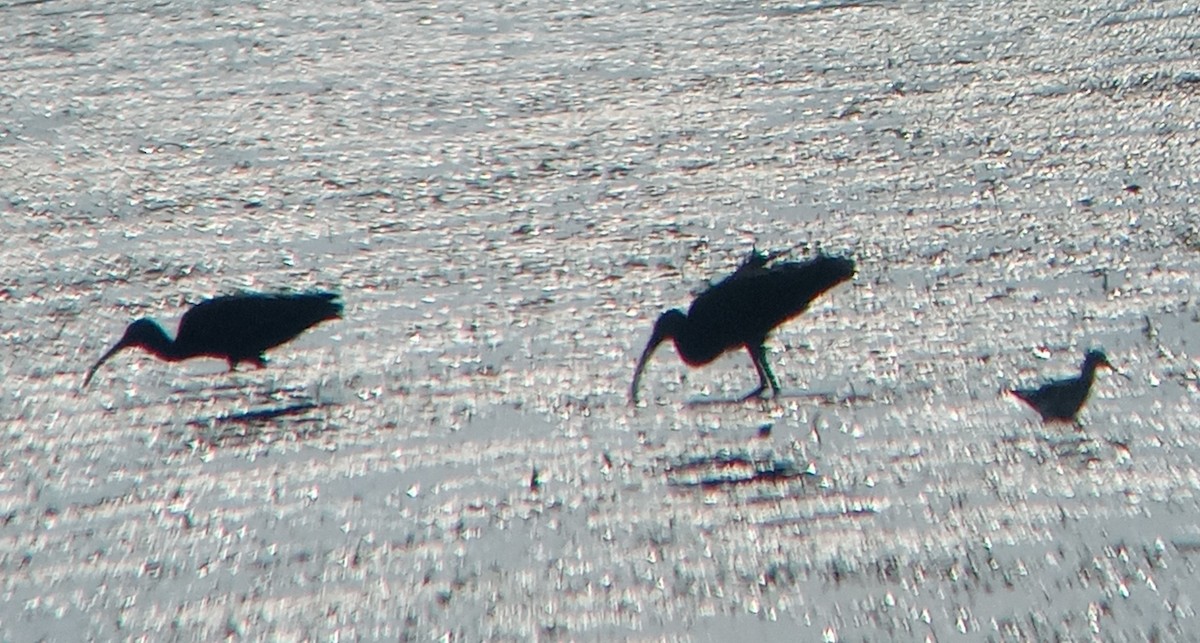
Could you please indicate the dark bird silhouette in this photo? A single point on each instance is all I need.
(1061, 400)
(742, 310)
(237, 328)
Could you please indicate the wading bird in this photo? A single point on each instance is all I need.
(742, 310)
(1061, 400)
(237, 328)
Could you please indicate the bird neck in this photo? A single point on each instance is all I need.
(1089, 372)
(690, 346)
(154, 340)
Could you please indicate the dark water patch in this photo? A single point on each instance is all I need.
(293, 421)
(816, 516)
(818, 7)
(829, 397)
(728, 468)
(257, 416)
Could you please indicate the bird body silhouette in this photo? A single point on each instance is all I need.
(1060, 400)
(742, 310)
(236, 328)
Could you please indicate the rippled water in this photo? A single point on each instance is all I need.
(507, 195)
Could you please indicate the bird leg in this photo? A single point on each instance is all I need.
(259, 362)
(758, 355)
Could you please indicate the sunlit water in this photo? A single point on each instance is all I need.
(507, 195)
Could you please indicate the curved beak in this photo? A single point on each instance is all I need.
(112, 351)
(655, 339)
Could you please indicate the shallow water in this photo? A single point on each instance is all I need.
(507, 196)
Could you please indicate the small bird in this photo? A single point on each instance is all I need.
(742, 309)
(237, 328)
(1061, 400)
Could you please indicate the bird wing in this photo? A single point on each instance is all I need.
(1057, 399)
(243, 326)
(748, 304)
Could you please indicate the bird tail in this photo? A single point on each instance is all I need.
(332, 308)
(1025, 395)
(819, 274)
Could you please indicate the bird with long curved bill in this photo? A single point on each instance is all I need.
(1061, 400)
(236, 328)
(741, 311)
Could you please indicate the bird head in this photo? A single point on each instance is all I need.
(665, 328)
(143, 333)
(1095, 358)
